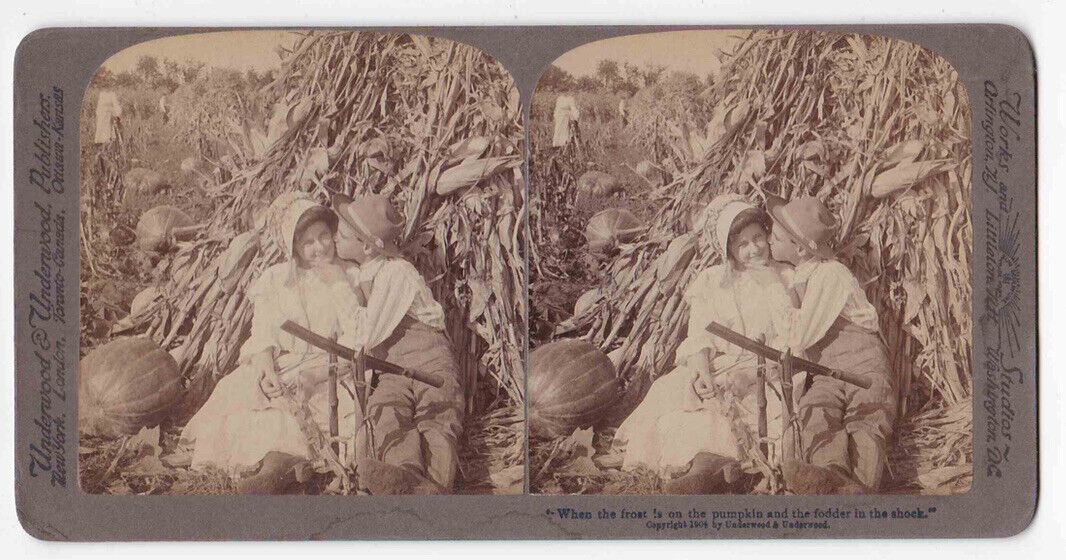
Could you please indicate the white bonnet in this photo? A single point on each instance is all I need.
(718, 217)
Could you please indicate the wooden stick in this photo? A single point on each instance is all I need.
(360, 381)
(798, 364)
(362, 420)
(334, 427)
(760, 395)
(383, 366)
(790, 448)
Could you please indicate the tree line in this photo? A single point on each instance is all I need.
(619, 78)
(163, 73)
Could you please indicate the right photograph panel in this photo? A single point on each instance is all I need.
(750, 267)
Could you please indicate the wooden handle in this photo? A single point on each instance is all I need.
(798, 364)
(327, 345)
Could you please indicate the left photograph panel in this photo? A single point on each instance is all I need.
(302, 268)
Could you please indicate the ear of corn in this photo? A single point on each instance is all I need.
(473, 171)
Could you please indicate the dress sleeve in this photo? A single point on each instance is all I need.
(827, 292)
(700, 314)
(390, 299)
(265, 316)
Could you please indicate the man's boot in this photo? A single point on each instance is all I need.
(275, 473)
(384, 479)
(710, 473)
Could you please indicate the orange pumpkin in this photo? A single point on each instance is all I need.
(611, 227)
(571, 385)
(125, 385)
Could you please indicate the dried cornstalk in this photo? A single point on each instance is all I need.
(382, 113)
(877, 128)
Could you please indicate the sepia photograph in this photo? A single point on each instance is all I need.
(302, 268)
(750, 267)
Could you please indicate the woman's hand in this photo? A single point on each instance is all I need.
(701, 363)
(269, 382)
(704, 385)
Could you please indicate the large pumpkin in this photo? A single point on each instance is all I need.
(141, 181)
(653, 174)
(611, 227)
(571, 385)
(156, 228)
(125, 385)
(598, 183)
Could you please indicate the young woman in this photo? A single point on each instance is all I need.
(245, 425)
(695, 408)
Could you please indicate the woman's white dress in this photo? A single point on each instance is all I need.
(566, 112)
(238, 424)
(107, 108)
(672, 424)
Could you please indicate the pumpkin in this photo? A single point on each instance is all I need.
(158, 226)
(610, 227)
(651, 173)
(125, 385)
(571, 385)
(153, 183)
(143, 181)
(598, 183)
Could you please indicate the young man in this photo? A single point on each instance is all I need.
(844, 428)
(416, 427)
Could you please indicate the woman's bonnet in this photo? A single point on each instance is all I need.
(717, 219)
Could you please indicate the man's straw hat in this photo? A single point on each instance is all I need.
(373, 219)
(806, 220)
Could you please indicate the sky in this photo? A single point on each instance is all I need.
(689, 51)
(233, 49)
